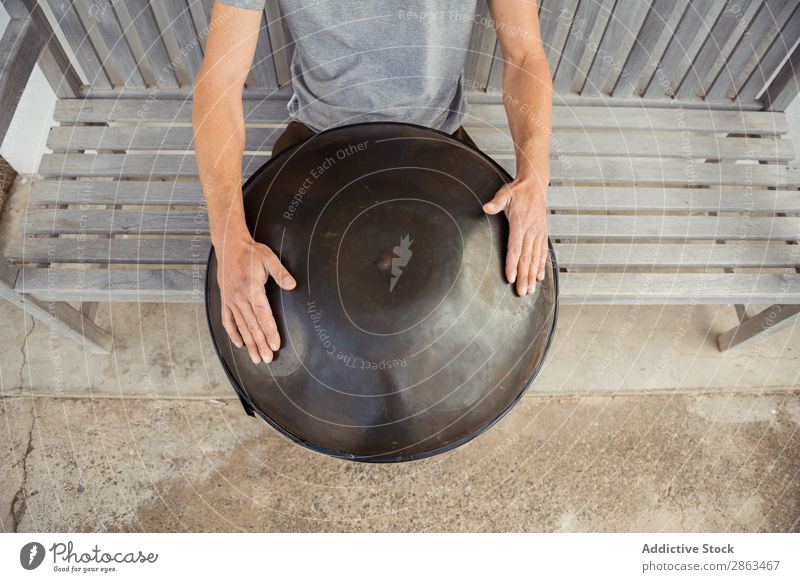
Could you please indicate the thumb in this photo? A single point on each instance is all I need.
(278, 272)
(499, 202)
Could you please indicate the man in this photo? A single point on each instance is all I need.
(355, 61)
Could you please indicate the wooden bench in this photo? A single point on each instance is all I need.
(648, 205)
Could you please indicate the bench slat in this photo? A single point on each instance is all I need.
(155, 192)
(701, 256)
(615, 143)
(132, 251)
(679, 288)
(558, 197)
(170, 251)
(186, 222)
(566, 170)
(187, 285)
(484, 113)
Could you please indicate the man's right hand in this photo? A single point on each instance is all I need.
(243, 268)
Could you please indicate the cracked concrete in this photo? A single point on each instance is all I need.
(582, 463)
(19, 503)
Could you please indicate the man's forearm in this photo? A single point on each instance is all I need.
(219, 137)
(528, 98)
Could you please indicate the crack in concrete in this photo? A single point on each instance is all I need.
(23, 351)
(19, 503)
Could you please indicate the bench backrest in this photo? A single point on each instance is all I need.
(724, 51)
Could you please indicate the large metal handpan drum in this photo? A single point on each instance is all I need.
(402, 338)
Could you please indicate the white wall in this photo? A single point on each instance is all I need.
(25, 140)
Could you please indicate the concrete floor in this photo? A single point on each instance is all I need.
(643, 427)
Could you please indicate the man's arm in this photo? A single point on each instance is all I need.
(528, 99)
(219, 135)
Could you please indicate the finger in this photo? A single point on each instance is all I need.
(266, 321)
(278, 272)
(230, 326)
(545, 254)
(499, 202)
(515, 240)
(524, 267)
(241, 324)
(255, 330)
(534, 267)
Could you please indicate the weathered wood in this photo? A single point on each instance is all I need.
(717, 47)
(145, 22)
(166, 26)
(646, 199)
(90, 17)
(654, 36)
(765, 27)
(766, 66)
(63, 319)
(604, 198)
(20, 46)
(584, 36)
(597, 47)
(785, 86)
(678, 288)
(134, 222)
(58, 71)
(598, 255)
(200, 20)
(187, 285)
(563, 16)
(566, 226)
(564, 170)
(58, 316)
(590, 143)
(757, 327)
(8, 273)
(666, 255)
(85, 192)
(134, 40)
(693, 29)
(548, 19)
(156, 110)
(141, 285)
(89, 309)
(620, 36)
(55, 60)
(481, 113)
(66, 21)
(132, 251)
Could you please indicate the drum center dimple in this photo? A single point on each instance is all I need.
(384, 261)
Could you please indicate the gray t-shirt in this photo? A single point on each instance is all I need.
(377, 60)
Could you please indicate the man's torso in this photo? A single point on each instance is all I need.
(378, 60)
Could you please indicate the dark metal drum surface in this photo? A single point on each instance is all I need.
(402, 338)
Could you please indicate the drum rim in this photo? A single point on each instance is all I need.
(250, 407)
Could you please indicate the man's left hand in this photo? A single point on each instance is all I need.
(525, 203)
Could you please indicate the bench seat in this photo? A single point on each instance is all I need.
(648, 205)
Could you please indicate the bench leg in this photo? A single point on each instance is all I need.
(57, 315)
(772, 319)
